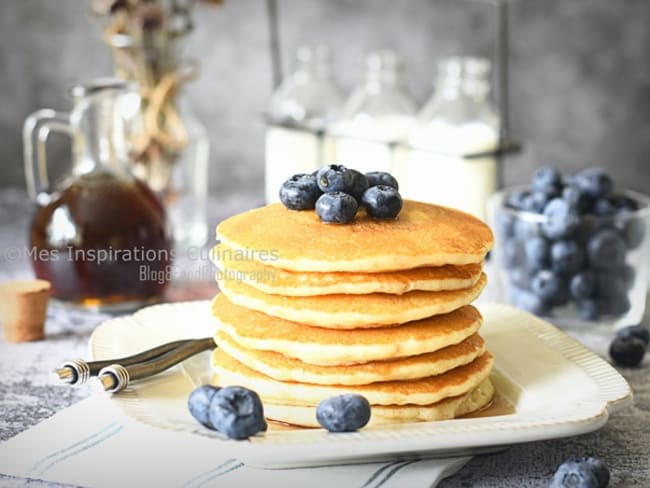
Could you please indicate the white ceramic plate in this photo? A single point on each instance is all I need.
(558, 388)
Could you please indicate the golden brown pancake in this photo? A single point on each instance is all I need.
(422, 391)
(357, 311)
(316, 345)
(448, 408)
(284, 368)
(422, 235)
(278, 281)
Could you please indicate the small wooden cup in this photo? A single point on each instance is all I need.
(23, 308)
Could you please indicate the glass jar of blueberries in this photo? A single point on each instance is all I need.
(573, 249)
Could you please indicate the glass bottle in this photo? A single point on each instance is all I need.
(377, 115)
(452, 158)
(100, 236)
(299, 110)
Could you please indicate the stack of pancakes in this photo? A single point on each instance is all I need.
(309, 310)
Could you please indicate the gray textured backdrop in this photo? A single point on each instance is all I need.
(580, 72)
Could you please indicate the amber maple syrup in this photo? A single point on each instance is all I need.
(102, 242)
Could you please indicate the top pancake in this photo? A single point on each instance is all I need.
(422, 235)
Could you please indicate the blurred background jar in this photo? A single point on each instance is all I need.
(299, 111)
(100, 235)
(575, 259)
(379, 113)
(451, 156)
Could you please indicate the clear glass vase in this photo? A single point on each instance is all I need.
(170, 144)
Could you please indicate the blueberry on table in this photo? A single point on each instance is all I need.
(198, 403)
(606, 249)
(594, 181)
(637, 331)
(547, 180)
(237, 412)
(566, 256)
(359, 184)
(381, 178)
(627, 351)
(581, 473)
(335, 177)
(300, 192)
(382, 202)
(343, 413)
(336, 207)
(561, 219)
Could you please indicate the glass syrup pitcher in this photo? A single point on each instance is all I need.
(100, 236)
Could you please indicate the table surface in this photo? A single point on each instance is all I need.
(28, 393)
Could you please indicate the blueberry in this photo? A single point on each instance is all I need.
(381, 178)
(577, 198)
(583, 285)
(606, 249)
(336, 207)
(627, 351)
(237, 412)
(382, 202)
(595, 182)
(615, 303)
(566, 256)
(511, 254)
(588, 309)
(300, 192)
(335, 177)
(199, 401)
(561, 219)
(359, 185)
(343, 413)
(516, 199)
(632, 230)
(603, 208)
(546, 284)
(627, 276)
(530, 302)
(505, 225)
(547, 180)
(581, 473)
(520, 278)
(535, 202)
(637, 331)
(537, 253)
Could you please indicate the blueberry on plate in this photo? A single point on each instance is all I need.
(381, 178)
(580, 473)
(336, 207)
(300, 192)
(359, 185)
(537, 252)
(606, 249)
(198, 403)
(335, 177)
(638, 331)
(547, 180)
(382, 202)
(627, 351)
(566, 256)
(594, 181)
(237, 412)
(583, 285)
(561, 219)
(343, 413)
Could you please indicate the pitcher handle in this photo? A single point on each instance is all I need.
(36, 129)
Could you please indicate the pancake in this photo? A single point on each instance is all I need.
(278, 281)
(316, 345)
(342, 312)
(283, 368)
(448, 408)
(423, 391)
(422, 235)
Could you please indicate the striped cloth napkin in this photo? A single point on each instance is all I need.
(91, 444)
